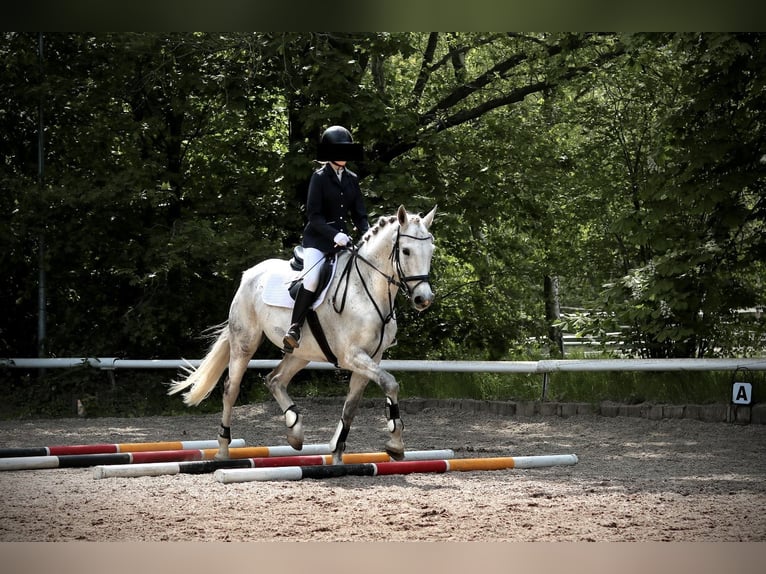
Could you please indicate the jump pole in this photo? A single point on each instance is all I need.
(88, 460)
(113, 448)
(228, 476)
(209, 466)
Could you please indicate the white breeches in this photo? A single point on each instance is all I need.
(312, 263)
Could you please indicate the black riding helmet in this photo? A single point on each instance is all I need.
(338, 145)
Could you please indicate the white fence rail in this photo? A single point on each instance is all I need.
(541, 367)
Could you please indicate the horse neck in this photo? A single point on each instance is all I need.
(377, 251)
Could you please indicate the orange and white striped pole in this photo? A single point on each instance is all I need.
(227, 476)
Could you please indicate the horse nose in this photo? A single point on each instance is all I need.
(423, 302)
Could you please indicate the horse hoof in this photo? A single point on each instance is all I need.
(223, 450)
(295, 442)
(395, 453)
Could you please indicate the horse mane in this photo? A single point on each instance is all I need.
(375, 229)
(384, 221)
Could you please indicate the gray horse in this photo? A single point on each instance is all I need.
(356, 314)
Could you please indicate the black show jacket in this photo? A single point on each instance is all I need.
(328, 206)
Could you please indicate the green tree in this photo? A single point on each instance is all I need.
(175, 161)
(469, 140)
(144, 202)
(672, 139)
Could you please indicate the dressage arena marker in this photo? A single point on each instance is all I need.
(112, 448)
(87, 460)
(227, 476)
(209, 466)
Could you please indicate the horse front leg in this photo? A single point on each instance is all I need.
(365, 366)
(395, 445)
(357, 384)
(276, 381)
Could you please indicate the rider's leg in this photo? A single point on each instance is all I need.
(303, 301)
(312, 262)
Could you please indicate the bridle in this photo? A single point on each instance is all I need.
(399, 279)
(404, 280)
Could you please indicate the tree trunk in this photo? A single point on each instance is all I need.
(553, 314)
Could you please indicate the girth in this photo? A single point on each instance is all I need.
(316, 327)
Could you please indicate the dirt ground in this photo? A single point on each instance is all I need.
(636, 480)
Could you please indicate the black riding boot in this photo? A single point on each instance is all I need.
(303, 301)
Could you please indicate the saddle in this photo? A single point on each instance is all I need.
(325, 273)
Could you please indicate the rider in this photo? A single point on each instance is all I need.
(333, 194)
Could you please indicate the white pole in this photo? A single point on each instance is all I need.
(546, 366)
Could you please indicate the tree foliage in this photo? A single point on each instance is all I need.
(688, 220)
(175, 161)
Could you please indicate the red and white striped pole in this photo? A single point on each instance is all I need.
(64, 450)
(142, 457)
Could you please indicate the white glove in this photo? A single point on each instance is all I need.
(341, 239)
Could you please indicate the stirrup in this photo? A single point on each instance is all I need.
(292, 338)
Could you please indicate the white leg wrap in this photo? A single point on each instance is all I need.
(336, 436)
(291, 417)
(392, 414)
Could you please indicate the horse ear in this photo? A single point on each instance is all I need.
(429, 218)
(402, 215)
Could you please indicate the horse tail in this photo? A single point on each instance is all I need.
(204, 378)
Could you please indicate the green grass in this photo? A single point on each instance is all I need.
(629, 387)
(482, 386)
(682, 387)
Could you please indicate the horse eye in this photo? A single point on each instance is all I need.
(406, 251)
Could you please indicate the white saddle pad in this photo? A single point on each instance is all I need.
(277, 283)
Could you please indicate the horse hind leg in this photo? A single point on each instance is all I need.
(276, 381)
(238, 361)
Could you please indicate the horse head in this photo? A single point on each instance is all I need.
(412, 253)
